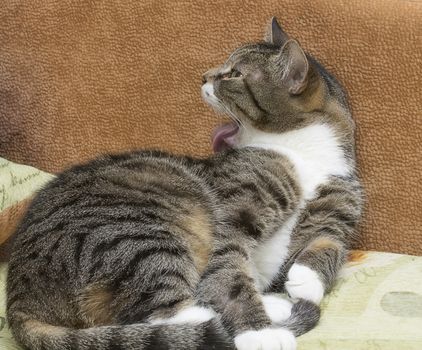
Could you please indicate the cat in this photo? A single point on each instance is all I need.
(148, 250)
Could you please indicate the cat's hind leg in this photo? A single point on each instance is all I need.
(144, 276)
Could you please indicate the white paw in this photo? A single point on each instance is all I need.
(303, 282)
(277, 308)
(266, 339)
(191, 314)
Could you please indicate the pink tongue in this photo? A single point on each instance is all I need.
(222, 136)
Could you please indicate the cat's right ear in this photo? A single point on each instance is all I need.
(275, 35)
(294, 65)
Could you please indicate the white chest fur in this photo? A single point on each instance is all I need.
(314, 151)
(316, 155)
(269, 256)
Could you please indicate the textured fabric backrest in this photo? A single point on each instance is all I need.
(79, 78)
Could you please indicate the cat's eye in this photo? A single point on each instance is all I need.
(235, 74)
(232, 74)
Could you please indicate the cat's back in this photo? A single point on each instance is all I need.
(122, 200)
(113, 181)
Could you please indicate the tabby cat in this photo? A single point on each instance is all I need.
(147, 250)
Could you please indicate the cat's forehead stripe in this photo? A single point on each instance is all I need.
(262, 48)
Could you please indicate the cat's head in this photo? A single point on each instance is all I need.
(272, 86)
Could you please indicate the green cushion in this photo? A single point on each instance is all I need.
(376, 304)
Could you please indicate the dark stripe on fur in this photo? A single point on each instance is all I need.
(254, 100)
(230, 249)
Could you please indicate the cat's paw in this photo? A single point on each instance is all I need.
(303, 282)
(277, 308)
(266, 339)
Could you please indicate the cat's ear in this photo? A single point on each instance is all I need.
(275, 35)
(295, 66)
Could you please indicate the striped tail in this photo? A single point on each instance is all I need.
(304, 316)
(208, 335)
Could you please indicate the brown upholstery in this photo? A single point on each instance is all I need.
(78, 78)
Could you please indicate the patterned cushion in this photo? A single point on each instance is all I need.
(376, 304)
(17, 185)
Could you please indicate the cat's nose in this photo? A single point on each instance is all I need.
(207, 90)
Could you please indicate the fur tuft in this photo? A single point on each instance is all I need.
(305, 316)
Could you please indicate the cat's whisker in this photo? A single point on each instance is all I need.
(223, 108)
(233, 116)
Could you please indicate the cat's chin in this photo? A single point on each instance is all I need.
(224, 137)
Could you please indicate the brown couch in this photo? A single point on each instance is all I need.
(79, 78)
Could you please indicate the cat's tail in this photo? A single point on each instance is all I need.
(304, 316)
(207, 335)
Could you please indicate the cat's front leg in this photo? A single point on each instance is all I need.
(229, 288)
(315, 269)
(323, 238)
(269, 337)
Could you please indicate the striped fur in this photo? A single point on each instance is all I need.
(149, 250)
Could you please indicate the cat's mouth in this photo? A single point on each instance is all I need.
(224, 136)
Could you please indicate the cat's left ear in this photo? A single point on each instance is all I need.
(275, 35)
(294, 66)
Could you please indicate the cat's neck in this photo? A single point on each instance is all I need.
(315, 151)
